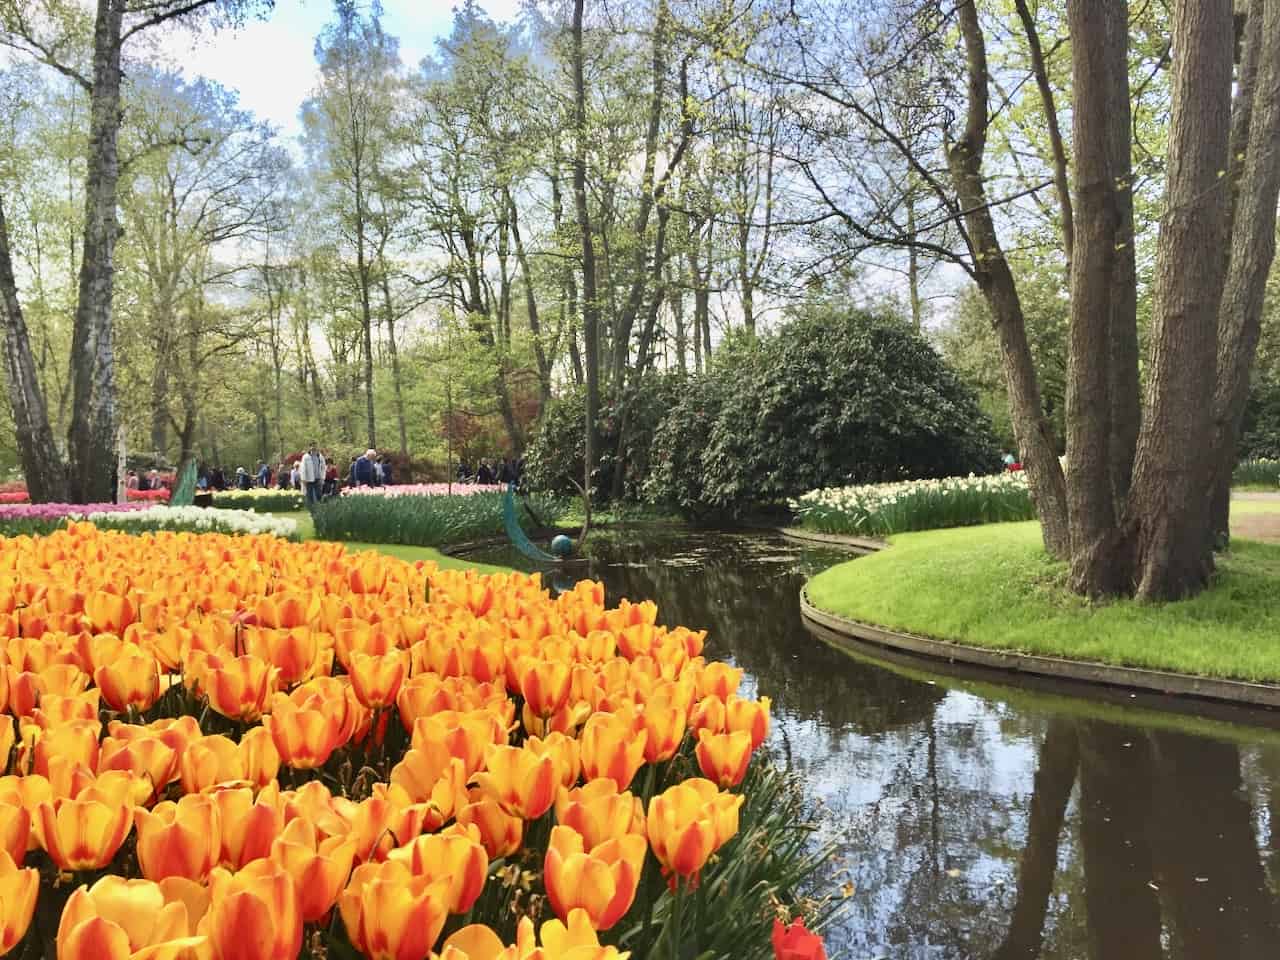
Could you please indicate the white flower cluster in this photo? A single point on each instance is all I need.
(883, 508)
(197, 520)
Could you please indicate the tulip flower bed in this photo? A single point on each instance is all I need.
(196, 520)
(242, 747)
(159, 495)
(425, 490)
(41, 518)
(261, 499)
(422, 521)
(881, 509)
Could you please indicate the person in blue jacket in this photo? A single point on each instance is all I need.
(362, 469)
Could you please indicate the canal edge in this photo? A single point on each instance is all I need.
(862, 545)
(1080, 671)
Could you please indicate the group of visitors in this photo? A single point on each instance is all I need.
(150, 480)
(311, 473)
(504, 471)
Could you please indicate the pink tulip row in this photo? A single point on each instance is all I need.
(56, 511)
(427, 490)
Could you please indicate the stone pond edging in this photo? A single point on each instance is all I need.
(1080, 671)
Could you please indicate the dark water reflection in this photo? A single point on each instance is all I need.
(977, 820)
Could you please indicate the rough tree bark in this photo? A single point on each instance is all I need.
(41, 464)
(995, 280)
(1101, 290)
(92, 433)
(1256, 188)
(1173, 469)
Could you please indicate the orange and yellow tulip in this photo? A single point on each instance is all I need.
(376, 679)
(254, 914)
(464, 735)
(15, 828)
(119, 919)
(390, 914)
(148, 757)
(19, 889)
(84, 834)
(749, 715)
(109, 612)
(295, 652)
(319, 866)
(708, 714)
(723, 757)
(689, 822)
(238, 688)
(601, 880)
(544, 684)
(76, 741)
(456, 855)
(500, 832)
(598, 811)
(663, 718)
(719, 680)
(523, 782)
(248, 826)
(612, 747)
(131, 679)
(181, 839)
(304, 734)
(431, 775)
(564, 750)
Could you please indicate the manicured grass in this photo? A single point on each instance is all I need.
(307, 531)
(993, 586)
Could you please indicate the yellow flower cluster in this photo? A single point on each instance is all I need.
(210, 696)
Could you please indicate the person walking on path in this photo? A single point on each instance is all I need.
(313, 472)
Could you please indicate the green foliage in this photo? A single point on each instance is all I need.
(843, 397)
(424, 521)
(770, 862)
(1260, 437)
(266, 501)
(554, 457)
(1262, 472)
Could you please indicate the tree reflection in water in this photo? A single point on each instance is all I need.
(980, 825)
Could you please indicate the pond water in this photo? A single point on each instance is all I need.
(980, 820)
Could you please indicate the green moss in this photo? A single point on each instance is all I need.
(993, 586)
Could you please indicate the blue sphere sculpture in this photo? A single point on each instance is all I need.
(561, 545)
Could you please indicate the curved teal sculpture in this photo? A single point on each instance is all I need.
(516, 533)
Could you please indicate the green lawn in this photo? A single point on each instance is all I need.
(993, 586)
(308, 531)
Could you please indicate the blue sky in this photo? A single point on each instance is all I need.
(271, 63)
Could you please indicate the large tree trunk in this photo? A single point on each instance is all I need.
(1173, 470)
(41, 465)
(1101, 291)
(92, 434)
(995, 280)
(590, 302)
(394, 350)
(1256, 185)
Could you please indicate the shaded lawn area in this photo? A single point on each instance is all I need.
(993, 586)
(307, 530)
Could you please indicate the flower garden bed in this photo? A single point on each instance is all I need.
(1257, 474)
(420, 520)
(261, 499)
(34, 519)
(243, 747)
(196, 520)
(878, 510)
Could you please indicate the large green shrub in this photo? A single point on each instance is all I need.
(553, 461)
(828, 399)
